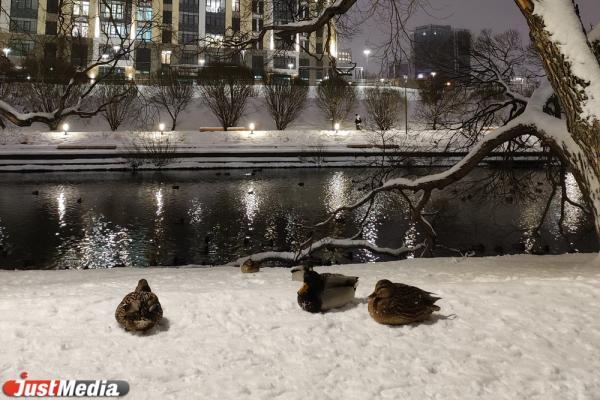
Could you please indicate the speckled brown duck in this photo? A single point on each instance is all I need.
(140, 310)
(323, 292)
(249, 266)
(400, 304)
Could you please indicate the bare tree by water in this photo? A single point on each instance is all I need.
(336, 98)
(226, 90)
(384, 106)
(171, 93)
(119, 95)
(285, 98)
(440, 103)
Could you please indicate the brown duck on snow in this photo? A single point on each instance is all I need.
(140, 310)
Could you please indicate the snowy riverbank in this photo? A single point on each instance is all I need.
(526, 327)
(81, 151)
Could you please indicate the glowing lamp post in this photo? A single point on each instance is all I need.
(161, 128)
(336, 127)
(201, 62)
(6, 51)
(65, 128)
(251, 126)
(367, 52)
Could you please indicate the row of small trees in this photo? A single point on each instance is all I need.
(225, 90)
(226, 93)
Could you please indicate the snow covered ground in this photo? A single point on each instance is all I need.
(525, 327)
(101, 150)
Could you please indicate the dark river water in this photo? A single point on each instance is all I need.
(106, 219)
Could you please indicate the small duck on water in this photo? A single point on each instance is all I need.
(323, 292)
(400, 304)
(140, 310)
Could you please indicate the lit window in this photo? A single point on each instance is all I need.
(144, 33)
(165, 56)
(80, 29)
(81, 7)
(114, 30)
(144, 14)
(112, 10)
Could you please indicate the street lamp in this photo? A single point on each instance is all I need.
(202, 61)
(161, 128)
(433, 74)
(65, 128)
(367, 52)
(290, 65)
(336, 127)
(6, 51)
(251, 126)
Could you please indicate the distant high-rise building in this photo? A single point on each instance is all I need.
(441, 49)
(344, 57)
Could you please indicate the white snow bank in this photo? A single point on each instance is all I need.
(526, 327)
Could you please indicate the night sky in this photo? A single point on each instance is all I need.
(498, 15)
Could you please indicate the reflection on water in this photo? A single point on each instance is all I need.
(99, 220)
(159, 202)
(573, 215)
(337, 188)
(61, 209)
(250, 202)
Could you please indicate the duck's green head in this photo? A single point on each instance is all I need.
(313, 280)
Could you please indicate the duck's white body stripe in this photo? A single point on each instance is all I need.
(336, 297)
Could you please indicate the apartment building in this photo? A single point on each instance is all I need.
(441, 50)
(183, 34)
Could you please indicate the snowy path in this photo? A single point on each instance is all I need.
(526, 327)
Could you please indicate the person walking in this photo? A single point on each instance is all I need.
(358, 122)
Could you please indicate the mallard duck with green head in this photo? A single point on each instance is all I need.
(140, 310)
(400, 304)
(323, 292)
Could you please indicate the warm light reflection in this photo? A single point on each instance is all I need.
(336, 191)
(62, 209)
(3, 235)
(573, 214)
(159, 202)
(103, 245)
(251, 202)
(195, 212)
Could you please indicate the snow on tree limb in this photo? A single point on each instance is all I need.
(563, 25)
(325, 243)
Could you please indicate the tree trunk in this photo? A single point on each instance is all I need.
(580, 149)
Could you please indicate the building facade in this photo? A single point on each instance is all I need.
(183, 34)
(441, 49)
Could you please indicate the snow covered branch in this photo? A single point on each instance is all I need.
(328, 242)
